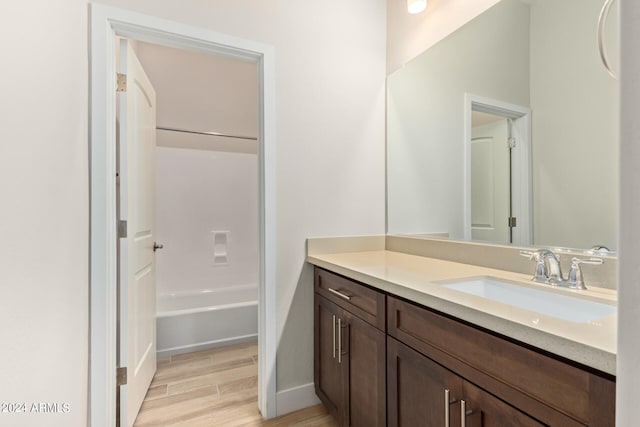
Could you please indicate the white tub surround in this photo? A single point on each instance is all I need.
(191, 321)
(207, 219)
(413, 277)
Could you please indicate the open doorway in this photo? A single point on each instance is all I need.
(497, 171)
(201, 265)
(206, 197)
(106, 24)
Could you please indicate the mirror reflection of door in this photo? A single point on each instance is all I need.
(490, 178)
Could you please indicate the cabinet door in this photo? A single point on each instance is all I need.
(328, 372)
(486, 410)
(364, 348)
(417, 389)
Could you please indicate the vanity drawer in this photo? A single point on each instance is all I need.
(529, 380)
(364, 302)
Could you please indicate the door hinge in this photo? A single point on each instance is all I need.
(121, 376)
(122, 228)
(121, 83)
(512, 220)
(512, 142)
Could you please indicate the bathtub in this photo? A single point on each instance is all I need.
(190, 321)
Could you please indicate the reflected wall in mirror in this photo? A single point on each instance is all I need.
(537, 54)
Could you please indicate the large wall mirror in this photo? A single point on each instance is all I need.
(507, 130)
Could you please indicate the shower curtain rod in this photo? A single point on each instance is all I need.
(197, 132)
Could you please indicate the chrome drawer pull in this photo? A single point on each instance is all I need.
(447, 403)
(340, 294)
(339, 340)
(446, 408)
(464, 413)
(334, 336)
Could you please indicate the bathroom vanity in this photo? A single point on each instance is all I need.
(393, 346)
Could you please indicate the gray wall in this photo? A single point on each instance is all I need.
(574, 126)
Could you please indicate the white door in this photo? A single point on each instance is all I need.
(490, 179)
(137, 258)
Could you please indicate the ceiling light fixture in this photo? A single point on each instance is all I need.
(416, 6)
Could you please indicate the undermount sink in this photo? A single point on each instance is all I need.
(566, 307)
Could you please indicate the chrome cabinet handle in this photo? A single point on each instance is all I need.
(447, 403)
(339, 340)
(334, 336)
(602, 19)
(446, 408)
(464, 413)
(340, 294)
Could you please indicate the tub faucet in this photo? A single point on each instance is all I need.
(548, 268)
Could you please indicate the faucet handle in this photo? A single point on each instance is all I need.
(530, 255)
(541, 270)
(592, 261)
(575, 279)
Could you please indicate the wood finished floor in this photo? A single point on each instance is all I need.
(217, 387)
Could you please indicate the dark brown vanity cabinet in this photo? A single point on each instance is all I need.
(350, 350)
(502, 383)
(418, 388)
(413, 366)
(421, 392)
(328, 368)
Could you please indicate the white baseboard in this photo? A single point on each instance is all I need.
(296, 398)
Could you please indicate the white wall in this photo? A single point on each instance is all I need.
(44, 210)
(425, 116)
(199, 191)
(330, 67)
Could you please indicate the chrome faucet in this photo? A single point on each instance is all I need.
(548, 269)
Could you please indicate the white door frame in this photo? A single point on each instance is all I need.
(521, 174)
(107, 23)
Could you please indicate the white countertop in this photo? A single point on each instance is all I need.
(591, 343)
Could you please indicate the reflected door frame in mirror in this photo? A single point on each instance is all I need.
(521, 177)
